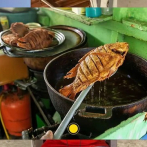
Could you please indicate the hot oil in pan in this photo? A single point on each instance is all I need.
(118, 90)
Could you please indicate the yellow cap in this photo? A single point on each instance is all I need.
(73, 128)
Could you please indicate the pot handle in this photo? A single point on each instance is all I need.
(96, 112)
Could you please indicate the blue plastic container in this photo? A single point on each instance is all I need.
(93, 12)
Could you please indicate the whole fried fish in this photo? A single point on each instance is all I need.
(97, 65)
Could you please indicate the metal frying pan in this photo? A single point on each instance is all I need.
(90, 117)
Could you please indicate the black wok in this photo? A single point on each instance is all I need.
(95, 119)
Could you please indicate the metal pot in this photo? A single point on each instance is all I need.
(37, 63)
(94, 119)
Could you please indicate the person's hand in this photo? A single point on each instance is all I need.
(48, 135)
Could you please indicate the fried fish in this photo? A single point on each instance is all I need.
(97, 65)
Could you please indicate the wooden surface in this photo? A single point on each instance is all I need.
(61, 3)
(38, 3)
(72, 3)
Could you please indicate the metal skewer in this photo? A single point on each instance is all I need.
(59, 132)
(71, 112)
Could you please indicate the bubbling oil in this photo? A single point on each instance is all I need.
(117, 90)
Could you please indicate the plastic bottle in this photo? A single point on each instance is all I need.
(93, 12)
(107, 11)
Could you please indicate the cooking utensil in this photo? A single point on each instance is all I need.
(93, 118)
(59, 132)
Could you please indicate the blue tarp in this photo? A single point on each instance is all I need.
(15, 3)
(144, 137)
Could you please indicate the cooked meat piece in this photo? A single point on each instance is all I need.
(19, 29)
(36, 39)
(97, 65)
(29, 39)
(10, 39)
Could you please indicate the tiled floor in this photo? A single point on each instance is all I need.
(15, 143)
(132, 143)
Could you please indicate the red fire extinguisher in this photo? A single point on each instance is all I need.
(16, 110)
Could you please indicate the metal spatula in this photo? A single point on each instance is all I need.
(59, 132)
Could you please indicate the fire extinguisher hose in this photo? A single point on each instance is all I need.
(1, 97)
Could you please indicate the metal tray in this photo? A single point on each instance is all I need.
(57, 41)
(74, 38)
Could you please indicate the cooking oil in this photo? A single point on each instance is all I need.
(119, 89)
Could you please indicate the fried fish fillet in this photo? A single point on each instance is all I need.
(22, 36)
(10, 39)
(97, 65)
(36, 39)
(19, 29)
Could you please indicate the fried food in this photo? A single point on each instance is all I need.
(23, 37)
(19, 29)
(36, 39)
(97, 65)
(10, 39)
